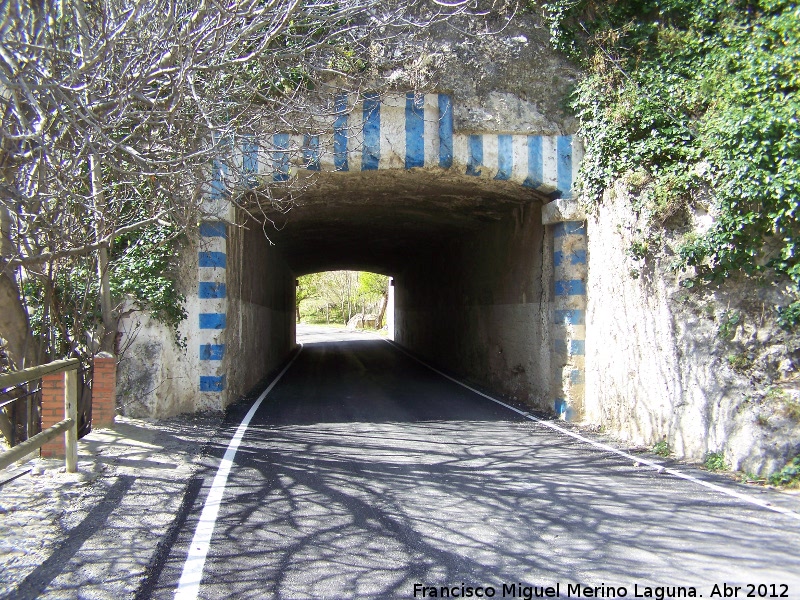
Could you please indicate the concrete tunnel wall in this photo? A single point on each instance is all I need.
(478, 306)
(261, 309)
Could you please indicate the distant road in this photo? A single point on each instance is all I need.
(364, 474)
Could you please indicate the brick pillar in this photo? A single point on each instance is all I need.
(104, 390)
(53, 412)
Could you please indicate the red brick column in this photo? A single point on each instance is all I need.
(53, 412)
(104, 390)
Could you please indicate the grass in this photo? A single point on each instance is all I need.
(662, 448)
(789, 476)
(739, 362)
(715, 461)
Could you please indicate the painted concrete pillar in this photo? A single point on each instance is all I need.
(212, 293)
(569, 306)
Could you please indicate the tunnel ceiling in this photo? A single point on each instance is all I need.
(380, 220)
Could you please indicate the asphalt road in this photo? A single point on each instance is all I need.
(363, 473)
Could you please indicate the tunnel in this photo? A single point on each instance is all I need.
(456, 218)
(466, 256)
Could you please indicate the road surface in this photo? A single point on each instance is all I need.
(365, 474)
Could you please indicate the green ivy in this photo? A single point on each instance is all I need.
(142, 265)
(695, 97)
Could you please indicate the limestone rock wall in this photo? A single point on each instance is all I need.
(705, 369)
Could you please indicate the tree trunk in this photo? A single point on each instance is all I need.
(382, 311)
(108, 336)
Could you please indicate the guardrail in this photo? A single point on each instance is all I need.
(70, 423)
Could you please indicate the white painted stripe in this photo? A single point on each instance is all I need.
(460, 153)
(431, 129)
(215, 274)
(355, 136)
(209, 336)
(212, 305)
(605, 447)
(549, 163)
(490, 166)
(393, 133)
(212, 244)
(577, 158)
(519, 147)
(192, 575)
(216, 209)
(210, 367)
(326, 150)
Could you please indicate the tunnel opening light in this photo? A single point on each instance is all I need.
(356, 301)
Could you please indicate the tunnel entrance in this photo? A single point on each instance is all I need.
(356, 300)
(466, 255)
(455, 217)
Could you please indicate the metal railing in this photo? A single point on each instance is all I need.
(70, 423)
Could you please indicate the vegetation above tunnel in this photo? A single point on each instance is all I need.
(696, 103)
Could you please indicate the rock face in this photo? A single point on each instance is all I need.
(706, 369)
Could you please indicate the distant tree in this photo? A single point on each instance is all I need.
(374, 288)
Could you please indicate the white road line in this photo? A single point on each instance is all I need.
(638, 459)
(189, 584)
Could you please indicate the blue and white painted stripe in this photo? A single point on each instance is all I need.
(569, 322)
(212, 306)
(410, 131)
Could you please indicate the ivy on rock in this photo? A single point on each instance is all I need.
(691, 100)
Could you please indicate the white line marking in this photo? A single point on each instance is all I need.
(189, 584)
(638, 459)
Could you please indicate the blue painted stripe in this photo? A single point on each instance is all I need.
(311, 152)
(569, 228)
(213, 229)
(212, 383)
(212, 351)
(211, 289)
(445, 131)
(371, 153)
(212, 321)
(576, 377)
(577, 347)
(577, 257)
(474, 155)
(564, 165)
(340, 134)
(211, 259)
(570, 317)
(560, 346)
(280, 157)
(570, 287)
(505, 157)
(560, 406)
(415, 131)
(535, 177)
